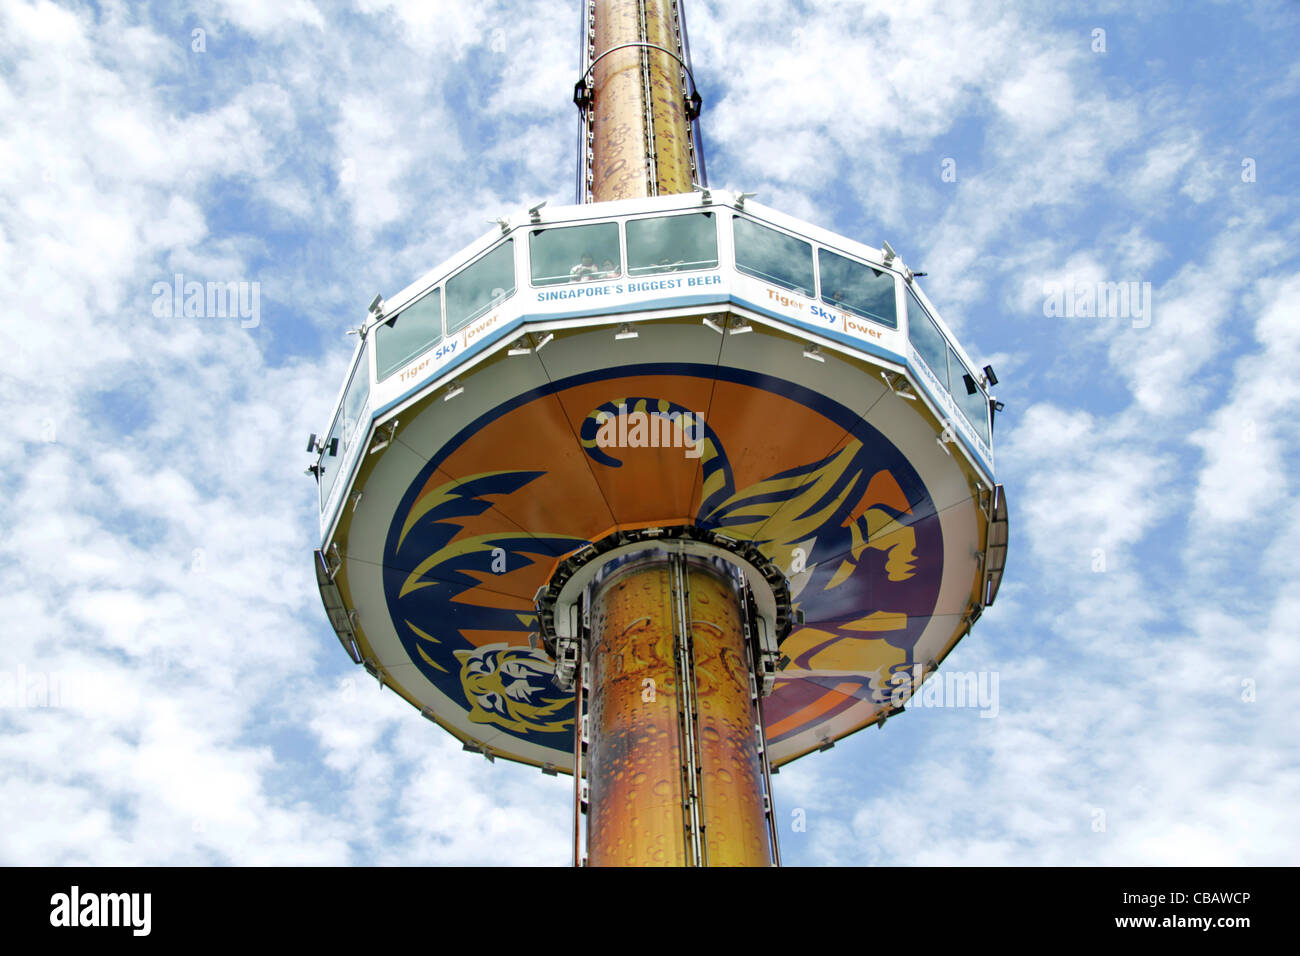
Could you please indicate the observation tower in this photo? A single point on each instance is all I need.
(663, 489)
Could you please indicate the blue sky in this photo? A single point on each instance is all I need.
(156, 528)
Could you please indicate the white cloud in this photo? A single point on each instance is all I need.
(266, 18)
(1246, 474)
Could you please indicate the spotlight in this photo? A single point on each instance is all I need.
(971, 387)
(452, 391)
(626, 331)
(890, 254)
(740, 327)
(520, 347)
(708, 320)
(535, 212)
(989, 376)
(384, 436)
(541, 343)
(814, 352)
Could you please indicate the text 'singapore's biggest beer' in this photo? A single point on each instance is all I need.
(672, 721)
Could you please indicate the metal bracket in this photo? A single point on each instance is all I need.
(894, 712)
(567, 652)
(902, 391)
(693, 104)
(341, 618)
(553, 632)
(474, 747)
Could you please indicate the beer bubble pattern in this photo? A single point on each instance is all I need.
(637, 806)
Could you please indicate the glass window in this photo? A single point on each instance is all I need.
(773, 256)
(481, 286)
(575, 254)
(407, 334)
(927, 339)
(857, 288)
(355, 398)
(672, 244)
(974, 406)
(345, 429)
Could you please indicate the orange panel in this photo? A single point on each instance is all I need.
(654, 479)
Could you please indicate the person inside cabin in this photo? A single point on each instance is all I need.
(608, 270)
(586, 269)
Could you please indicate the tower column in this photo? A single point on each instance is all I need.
(641, 136)
(674, 770)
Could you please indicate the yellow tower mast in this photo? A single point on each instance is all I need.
(672, 754)
(638, 101)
